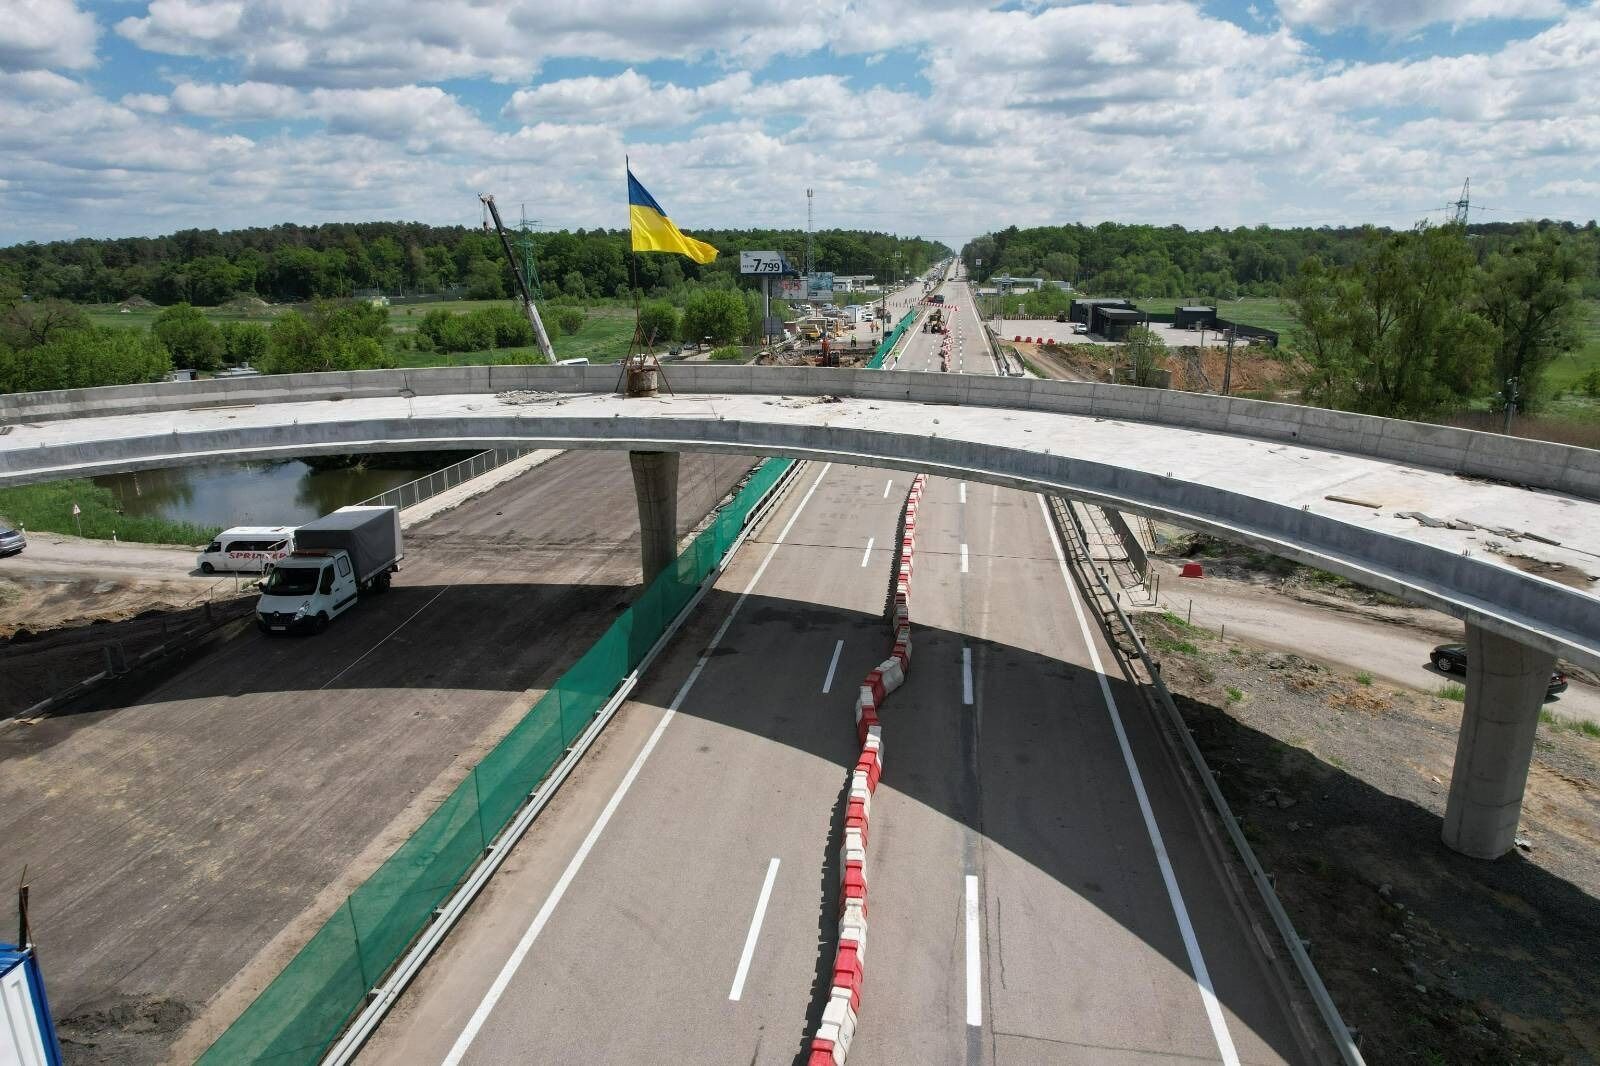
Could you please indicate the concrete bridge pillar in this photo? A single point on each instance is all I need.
(655, 483)
(1506, 683)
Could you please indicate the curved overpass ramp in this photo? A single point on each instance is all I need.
(1520, 520)
(1508, 537)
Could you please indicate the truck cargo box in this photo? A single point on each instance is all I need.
(370, 534)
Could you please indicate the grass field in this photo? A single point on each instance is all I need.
(603, 339)
(47, 508)
(1266, 312)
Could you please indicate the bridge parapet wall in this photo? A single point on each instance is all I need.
(1537, 464)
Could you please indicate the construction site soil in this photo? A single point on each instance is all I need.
(1256, 370)
(1340, 784)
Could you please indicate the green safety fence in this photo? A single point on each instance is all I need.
(876, 362)
(301, 1013)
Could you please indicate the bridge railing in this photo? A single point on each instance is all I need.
(413, 492)
(297, 1018)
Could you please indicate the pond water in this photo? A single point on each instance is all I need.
(276, 493)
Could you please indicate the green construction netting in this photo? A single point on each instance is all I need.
(302, 1012)
(876, 362)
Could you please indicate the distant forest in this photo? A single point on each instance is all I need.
(291, 264)
(1170, 261)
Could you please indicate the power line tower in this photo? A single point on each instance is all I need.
(525, 232)
(810, 265)
(1463, 205)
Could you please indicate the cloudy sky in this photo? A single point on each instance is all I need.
(919, 116)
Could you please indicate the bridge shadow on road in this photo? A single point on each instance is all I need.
(334, 735)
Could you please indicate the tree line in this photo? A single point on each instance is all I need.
(296, 264)
(1170, 261)
(1430, 320)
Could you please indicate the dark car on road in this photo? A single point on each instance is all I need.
(1452, 659)
(11, 541)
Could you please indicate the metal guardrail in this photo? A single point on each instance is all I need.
(1344, 1040)
(412, 492)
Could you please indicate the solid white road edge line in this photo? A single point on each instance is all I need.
(966, 676)
(1191, 944)
(755, 932)
(503, 980)
(866, 556)
(827, 682)
(974, 971)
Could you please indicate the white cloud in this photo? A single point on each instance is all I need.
(1404, 16)
(1153, 112)
(41, 34)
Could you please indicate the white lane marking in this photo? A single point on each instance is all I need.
(755, 931)
(502, 980)
(866, 556)
(963, 492)
(974, 965)
(1191, 944)
(827, 682)
(963, 558)
(356, 661)
(887, 485)
(966, 676)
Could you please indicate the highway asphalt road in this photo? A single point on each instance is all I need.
(170, 834)
(677, 902)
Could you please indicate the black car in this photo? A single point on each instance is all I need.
(1452, 659)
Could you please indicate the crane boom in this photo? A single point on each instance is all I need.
(528, 305)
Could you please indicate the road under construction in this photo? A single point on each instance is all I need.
(1045, 884)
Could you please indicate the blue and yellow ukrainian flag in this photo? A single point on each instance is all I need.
(653, 231)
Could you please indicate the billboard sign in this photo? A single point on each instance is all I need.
(792, 289)
(764, 263)
(819, 287)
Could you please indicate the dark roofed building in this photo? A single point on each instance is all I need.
(1193, 316)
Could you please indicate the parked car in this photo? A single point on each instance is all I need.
(1452, 659)
(1079, 327)
(11, 541)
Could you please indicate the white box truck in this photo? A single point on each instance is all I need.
(335, 559)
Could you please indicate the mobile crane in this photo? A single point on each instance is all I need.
(528, 305)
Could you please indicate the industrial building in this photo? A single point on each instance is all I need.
(1078, 310)
(1194, 317)
(1113, 322)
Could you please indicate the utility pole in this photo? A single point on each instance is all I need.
(811, 265)
(1227, 367)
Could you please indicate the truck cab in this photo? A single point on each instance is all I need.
(306, 591)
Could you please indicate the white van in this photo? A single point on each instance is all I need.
(572, 362)
(247, 549)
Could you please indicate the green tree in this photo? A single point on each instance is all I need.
(83, 358)
(243, 342)
(192, 339)
(658, 322)
(1397, 336)
(720, 314)
(336, 335)
(1530, 295)
(1145, 353)
(484, 281)
(28, 324)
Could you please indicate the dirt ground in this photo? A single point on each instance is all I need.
(1254, 369)
(65, 601)
(1341, 786)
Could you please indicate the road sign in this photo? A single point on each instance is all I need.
(764, 263)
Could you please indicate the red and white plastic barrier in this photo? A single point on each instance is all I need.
(831, 1043)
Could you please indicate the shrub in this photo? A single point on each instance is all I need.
(728, 353)
(570, 319)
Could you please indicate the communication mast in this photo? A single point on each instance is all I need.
(1462, 205)
(811, 266)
